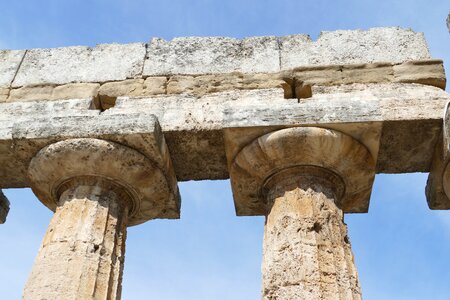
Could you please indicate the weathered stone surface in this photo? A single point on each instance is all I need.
(4, 207)
(9, 64)
(83, 251)
(211, 55)
(30, 93)
(307, 252)
(393, 45)
(109, 91)
(410, 116)
(106, 62)
(140, 132)
(208, 84)
(52, 92)
(4, 93)
(12, 167)
(192, 126)
(428, 72)
(282, 149)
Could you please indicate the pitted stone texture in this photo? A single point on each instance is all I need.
(105, 62)
(353, 47)
(212, 55)
(300, 146)
(307, 253)
(9, 64)
(83, 251)
(52, 92)
(4, 207)
(147, 175)
(12, 166)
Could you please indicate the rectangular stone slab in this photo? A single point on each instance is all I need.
(9, 64)
(410, 116)
(105, 62)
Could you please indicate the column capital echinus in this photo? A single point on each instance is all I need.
(327, 155)
(88, 161)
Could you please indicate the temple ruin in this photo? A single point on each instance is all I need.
(102, 135)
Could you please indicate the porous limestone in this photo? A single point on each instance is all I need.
(105, 62)
(211, 55)
(300, 178)
(9, 65)
(391, 44)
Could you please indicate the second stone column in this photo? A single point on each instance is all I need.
(302, 179)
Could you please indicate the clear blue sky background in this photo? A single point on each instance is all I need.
(402, 249)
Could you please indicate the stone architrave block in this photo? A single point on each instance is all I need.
(9, 64)
(212, 55)
(140, 132)
(392, 44)
(105, 62)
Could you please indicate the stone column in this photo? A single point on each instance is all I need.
(97, 188)
(306, 251)
(83, 251)
(305, 178)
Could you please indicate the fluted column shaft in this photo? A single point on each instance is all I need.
(82, 253)
(306, 251)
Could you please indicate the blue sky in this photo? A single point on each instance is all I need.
(401, 247)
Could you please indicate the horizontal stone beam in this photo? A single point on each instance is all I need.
(408, 117)
(45, 69)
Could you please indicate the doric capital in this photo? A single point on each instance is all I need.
(302, 151)
(88, 161)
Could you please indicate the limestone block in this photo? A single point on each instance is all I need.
(52, 92)
(30, 93)
(411, 115)
(105, 62)
(207, 84)
(109, 91)
(140, 132)
(211, 55)
(4, 207)
(4, 93)
(12, 168)
(424, 72)
(393, 45)
(75, 91)
(192, 126)
(9, 64)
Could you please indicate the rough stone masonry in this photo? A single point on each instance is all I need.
(301, 127)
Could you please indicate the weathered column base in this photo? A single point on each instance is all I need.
(82, 253)
(307, 253)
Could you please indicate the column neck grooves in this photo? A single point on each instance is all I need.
(303, 177)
